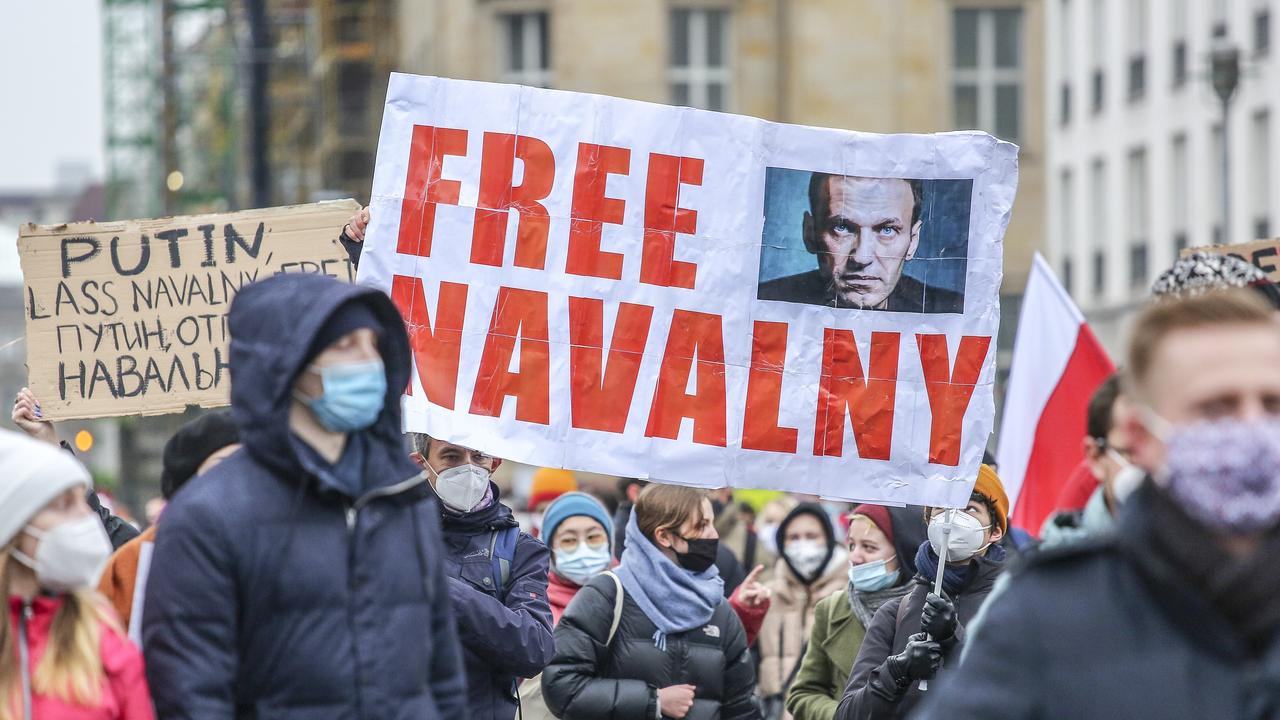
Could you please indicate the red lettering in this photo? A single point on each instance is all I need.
(949, 390)
(423, 187)
(498, 197)
(435, 353)
(602, 403)
(760, 430)
(693, 334)
(590, 209)
(518, 314)
(845, 389)
(663, 218)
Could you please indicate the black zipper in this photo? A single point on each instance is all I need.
(352, 512)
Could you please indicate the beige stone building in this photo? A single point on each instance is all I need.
(871, 65)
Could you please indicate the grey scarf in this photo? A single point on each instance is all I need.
(865, 604)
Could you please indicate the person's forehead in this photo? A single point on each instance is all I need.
(849, 194)
(862, 528)
(1194, 364)
(444, 445)
(579, 523)
(804, 523)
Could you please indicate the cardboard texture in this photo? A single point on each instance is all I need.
(1262, 254)
(129, 317)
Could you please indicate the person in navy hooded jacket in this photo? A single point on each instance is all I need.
(301, 577)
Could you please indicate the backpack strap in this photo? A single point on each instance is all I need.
(618, 596)
(502, 553)
(902, 612)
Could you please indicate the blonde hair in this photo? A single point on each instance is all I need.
(667, 506)
(71, 668)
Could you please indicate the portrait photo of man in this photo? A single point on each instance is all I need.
(860, 234)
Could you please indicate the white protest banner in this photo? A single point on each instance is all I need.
(129, 318)
(689, 296)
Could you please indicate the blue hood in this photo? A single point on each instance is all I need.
(272, 324)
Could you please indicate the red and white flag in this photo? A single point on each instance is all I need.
(1057, 364)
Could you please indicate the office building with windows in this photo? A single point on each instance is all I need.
(1135, 142)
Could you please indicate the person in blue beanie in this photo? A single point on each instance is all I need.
(578, 528)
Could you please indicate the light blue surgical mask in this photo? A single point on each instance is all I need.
(582, 564)
(353, 395)
(873, 576)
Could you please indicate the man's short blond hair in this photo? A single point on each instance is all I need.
(1167, 316)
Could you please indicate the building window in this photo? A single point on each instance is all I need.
(987, 87)
(1179, 69)
(700, 74)
(1260, 174)
(1180, 192)
(1098, 52)
(1262, 31)
(1219, 25)
(1065, 58)
(1178, 31)
(1099, 273)
(1099, 219)
(1138, 266)
(526, 50)
(1137, 27)
(1068, 272)
(1139, 209)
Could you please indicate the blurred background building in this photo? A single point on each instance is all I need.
(1135, 141)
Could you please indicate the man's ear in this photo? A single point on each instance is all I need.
(496, 463)
(1094, 456)
(808, 232)
(915, 240)
(418, 460)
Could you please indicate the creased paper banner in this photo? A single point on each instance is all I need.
(694, 297)
(129, 318)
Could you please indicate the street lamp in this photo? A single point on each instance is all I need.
(1225, 74)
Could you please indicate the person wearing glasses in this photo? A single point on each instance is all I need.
(578, 528)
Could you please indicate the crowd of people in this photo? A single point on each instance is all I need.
(314, 562)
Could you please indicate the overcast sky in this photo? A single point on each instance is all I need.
(51, 82)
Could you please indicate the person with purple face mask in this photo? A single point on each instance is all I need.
(1177, 615)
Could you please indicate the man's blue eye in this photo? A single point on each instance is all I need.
(888, 231)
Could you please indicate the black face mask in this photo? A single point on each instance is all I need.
(700, 555)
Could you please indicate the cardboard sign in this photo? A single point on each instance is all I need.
(1262, 254)
(689, 296)
(129, 318)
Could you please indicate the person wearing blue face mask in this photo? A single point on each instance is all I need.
(578, 528)
(876, 575)
(301, 576)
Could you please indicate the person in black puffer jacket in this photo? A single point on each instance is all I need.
(679, 651)
(301, 577)
(911, 638)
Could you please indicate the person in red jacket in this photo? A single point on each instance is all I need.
(73, 661)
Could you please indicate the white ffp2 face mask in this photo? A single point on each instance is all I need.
(966, 539)
(69, 556)
(806, 557)
(461, 488)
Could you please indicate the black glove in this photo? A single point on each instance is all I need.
(939, 619)
(919, 660)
